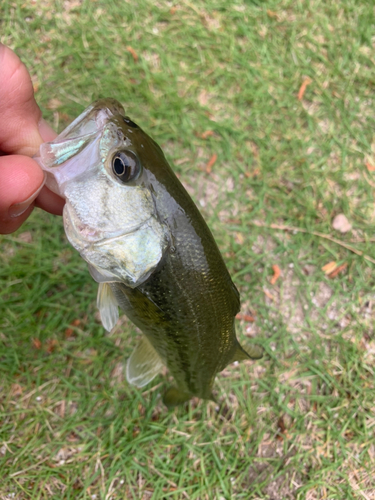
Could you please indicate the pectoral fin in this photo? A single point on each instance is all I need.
(143, 365)
(107, 306)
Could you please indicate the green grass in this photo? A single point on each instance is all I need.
(298, 424)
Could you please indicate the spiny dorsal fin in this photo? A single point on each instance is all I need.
(143, 365)
(107, 305)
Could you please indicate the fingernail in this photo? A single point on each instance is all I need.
(46, 131)
(19, 208)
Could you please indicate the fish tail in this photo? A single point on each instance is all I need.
(253, 352)
(174, 397)
(212, 398)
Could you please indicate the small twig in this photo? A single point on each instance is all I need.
(282, 227)
(210, 163)
(302, 89)
(245, 317)
(363, 240)
(338, 270)
(31, 393)
(29, 468)
(132, 52)
(276, 274)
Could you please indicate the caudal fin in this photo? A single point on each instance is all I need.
(174, 397)
(252, 352)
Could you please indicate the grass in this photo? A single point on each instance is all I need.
(298, 424)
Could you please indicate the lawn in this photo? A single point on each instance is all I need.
(265, 111)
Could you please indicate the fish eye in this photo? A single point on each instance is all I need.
(125, 166)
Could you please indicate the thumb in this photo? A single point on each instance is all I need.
(21, 119)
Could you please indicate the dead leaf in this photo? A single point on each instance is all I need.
(203, 97)
(370, 168)
(276, 274)
(51, 345)
(268, 294)
(302, 88)
(338, 270)
(239, 238)
(253, 174)
(26, 237)
(68, 333)
(73, 437)
(207, 133)
(211, 163)
(60, 409)
(281, 425)
(76, 322)
(36, 343)
(341, 223)
(132, 52)
(254, 149)
(54, 104)
(272, 14)
(245, 317)
(330, 267)
(16, 390)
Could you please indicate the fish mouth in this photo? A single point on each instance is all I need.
(69, 154)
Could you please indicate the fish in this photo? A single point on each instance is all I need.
(149, 249)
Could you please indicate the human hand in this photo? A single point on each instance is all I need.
(22, 130)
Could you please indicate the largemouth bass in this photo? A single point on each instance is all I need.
(148, 247)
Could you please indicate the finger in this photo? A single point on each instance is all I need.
(50, 202)
(21, 180)
(46, 132)
(21, 125)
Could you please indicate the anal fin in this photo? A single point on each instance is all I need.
(143, 365)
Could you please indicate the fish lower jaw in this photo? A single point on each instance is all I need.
(81, 235)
